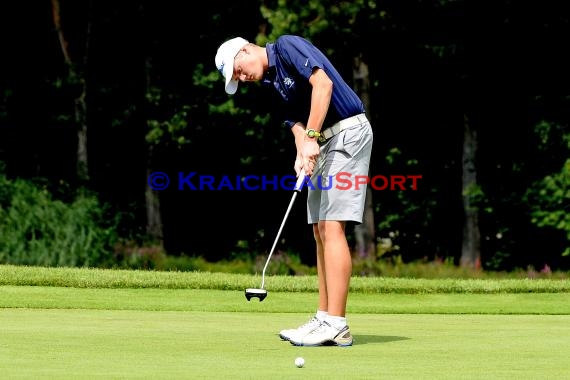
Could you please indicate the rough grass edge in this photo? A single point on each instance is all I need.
(11, 275)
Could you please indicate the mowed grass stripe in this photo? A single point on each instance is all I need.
(40, 297)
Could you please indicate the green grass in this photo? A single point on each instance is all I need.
(58, 323)
(211, 300)
(103, 344)
(106, 278)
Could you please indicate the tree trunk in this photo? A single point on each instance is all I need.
(76, 80)
(152, 201)
(471, 247)
(80, 118)
(364, 233)
(154, 226)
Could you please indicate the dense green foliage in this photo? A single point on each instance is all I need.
(549, 197)
(37, 229)
(154, 102)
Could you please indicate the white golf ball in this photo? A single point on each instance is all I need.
(299, 362)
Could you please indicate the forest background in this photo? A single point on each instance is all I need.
(96, 96)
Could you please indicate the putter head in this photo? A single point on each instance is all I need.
(259, 293)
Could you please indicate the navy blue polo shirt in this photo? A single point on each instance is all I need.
(292, 60)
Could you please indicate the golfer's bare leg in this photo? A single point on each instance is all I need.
(337, 267)
(323, 296)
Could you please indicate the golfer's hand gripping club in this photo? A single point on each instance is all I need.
(262, 293)
(300, 181)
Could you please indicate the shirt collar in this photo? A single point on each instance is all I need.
(271, 62)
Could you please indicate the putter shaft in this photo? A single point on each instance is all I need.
(297, 189)
(277, 239)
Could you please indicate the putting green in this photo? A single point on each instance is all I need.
(72, 344)
(70, 333)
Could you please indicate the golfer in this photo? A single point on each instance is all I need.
(332, 135)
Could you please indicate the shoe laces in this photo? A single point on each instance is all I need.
(323, 327)
(312, 321)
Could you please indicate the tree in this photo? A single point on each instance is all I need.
(365, 233)
(549, 197)
(76, 80)
(471, 248)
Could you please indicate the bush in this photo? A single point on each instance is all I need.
(36, 229)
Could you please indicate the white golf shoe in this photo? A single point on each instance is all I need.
(300, 331)
(324, 335)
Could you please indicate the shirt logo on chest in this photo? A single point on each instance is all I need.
(288, 82)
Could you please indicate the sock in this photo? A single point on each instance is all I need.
(336, 322)
(321, 315)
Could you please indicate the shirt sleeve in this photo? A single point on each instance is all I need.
(289, 123)
(300, 54)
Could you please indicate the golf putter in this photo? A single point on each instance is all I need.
(261, 293)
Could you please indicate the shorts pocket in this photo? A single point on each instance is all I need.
(354, 139)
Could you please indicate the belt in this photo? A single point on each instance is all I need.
(341, 126)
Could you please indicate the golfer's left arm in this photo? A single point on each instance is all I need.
(320, 100)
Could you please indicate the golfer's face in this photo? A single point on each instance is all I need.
(246, 67)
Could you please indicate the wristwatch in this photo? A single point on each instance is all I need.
(312, 133)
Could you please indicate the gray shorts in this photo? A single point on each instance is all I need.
(342, 163)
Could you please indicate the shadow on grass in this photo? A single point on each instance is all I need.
(366, 339)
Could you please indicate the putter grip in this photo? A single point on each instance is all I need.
(300, 180)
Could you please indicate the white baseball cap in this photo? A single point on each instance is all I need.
(225, 61)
